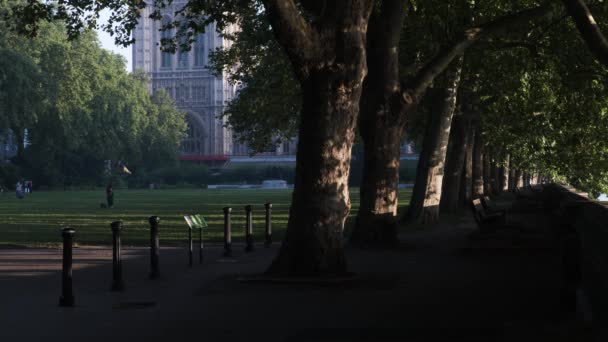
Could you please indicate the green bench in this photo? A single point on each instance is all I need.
(195, 222)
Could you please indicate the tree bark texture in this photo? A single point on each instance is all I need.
(330, 61)
(389, 103)
(478, 181)
(424, 204)
(381, 125)
(466, 185)
(534, 179)
(455, 158)
(512, 181)
(519, 179)
(504, 179)
(496, 176)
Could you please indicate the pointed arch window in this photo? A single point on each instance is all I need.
(199, 50)
(183, 57)
(166, 59)
(194, 142)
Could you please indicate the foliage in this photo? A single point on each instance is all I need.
(9, 175)
(80, 107)
(544, 105)
(267, 108)
(20, 90)
(540, 93)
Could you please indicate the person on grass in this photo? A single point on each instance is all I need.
(110, 195)
(19, 189)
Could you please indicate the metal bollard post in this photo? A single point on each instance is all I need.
(200, 246)
(117, 281)
(154, 247)
(67, 294)
(227, 233)
(249, 228)
(268, 227)
(190, 246)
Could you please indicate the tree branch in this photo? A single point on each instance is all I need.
(293, 33)
(314, 7)
(416, 89)
(588, 28)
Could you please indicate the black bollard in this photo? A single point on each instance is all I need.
(249, 228)
(227, 233)
(154, 247)
(268, 227)
(67, 295)
(190, 247)
(117, 282)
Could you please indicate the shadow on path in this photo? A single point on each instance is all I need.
(439, 285)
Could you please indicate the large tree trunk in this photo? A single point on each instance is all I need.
(330, 61)
(376, 220)
(466, 185)
(320, 200)
(519, 179)
(378, 210)
(489, 176)
(381, 127)
(496, 187)
(454, 163)
(478, 162)
(512, 181)
(504, 178)
(424, 204)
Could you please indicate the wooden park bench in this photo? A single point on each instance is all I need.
(484, 217)
(195, 222)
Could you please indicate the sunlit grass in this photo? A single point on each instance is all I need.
(37, 219)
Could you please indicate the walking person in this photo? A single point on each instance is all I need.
(19, 190)
(110, 195)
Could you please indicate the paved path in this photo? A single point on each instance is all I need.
(437, 286)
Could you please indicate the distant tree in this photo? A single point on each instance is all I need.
(80, 107)
(20, 94)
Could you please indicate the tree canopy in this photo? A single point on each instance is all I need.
(80, 107)
(543, 104)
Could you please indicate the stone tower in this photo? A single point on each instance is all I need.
(186, 79)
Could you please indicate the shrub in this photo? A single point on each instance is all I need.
(9, 175)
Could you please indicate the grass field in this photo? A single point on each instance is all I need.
(37, 219)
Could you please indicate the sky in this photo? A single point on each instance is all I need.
(107, 42)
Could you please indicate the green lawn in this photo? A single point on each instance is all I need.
(37, 219)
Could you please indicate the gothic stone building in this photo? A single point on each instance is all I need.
(186, 79)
